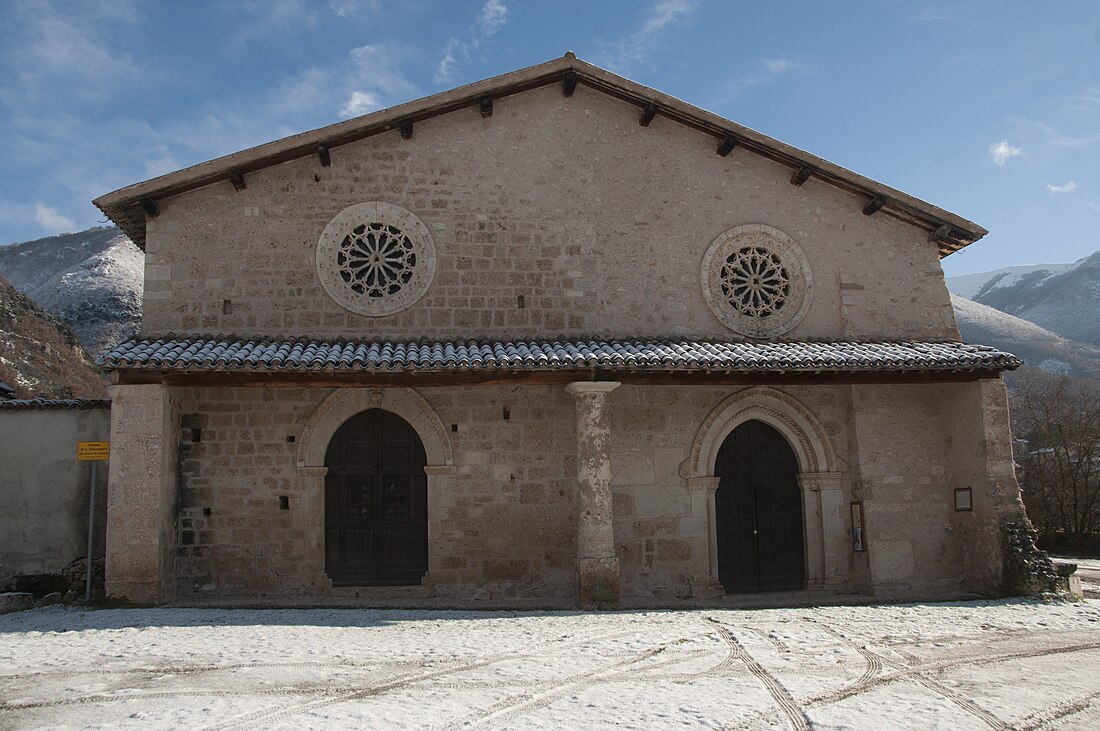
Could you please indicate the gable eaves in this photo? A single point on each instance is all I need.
(130, 207)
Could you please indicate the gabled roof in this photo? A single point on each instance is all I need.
(129, 206)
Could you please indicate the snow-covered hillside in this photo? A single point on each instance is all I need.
(1063, 298)
(92, 280)
(1035, 345)
(968, 285)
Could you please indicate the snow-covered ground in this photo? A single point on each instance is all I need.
(999, 664)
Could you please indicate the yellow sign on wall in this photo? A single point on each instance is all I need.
(93, 451)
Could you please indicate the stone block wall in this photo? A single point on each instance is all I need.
(503, 514)
(44, 489)
(551, 199)
(502, 524)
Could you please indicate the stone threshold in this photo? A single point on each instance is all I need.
(769, 600)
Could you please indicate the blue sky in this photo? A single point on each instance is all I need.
(989, 109)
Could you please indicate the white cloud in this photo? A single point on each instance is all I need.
(1047, 134)
(51, 220)
(347, 8)
(763, 71)
(1002, 151)
(493, 15)
(360, 103)
(67, 51)
(625, 54)
(379, 68)
(490, 19)
(781, 65)
(1067, 188)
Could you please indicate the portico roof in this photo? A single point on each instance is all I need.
(232, 355)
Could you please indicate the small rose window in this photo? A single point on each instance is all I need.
(375, 259)
(756, 280)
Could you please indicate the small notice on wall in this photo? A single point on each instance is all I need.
(93, 451)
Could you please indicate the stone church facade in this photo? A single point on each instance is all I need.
(550, 338)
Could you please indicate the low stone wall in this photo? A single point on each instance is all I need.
(44, 493)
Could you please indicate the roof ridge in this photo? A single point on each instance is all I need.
(129, 206)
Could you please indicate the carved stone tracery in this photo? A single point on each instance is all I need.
(375, 258)
(756, 280)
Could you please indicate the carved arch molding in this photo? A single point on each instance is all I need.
(344, 403)
(819, 477)
(796, 422)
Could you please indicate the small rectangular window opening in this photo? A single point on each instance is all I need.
(454, 427)
(284, 502)
(521, 302)
(507, 413)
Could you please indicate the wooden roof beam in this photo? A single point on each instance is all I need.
(569, 83)
(406, 129)
(485, 104)
(725, 147)
(941, 235)
(649, 111)
(236, 177)
(874, 205)
(152, 210)
(801, 175)
(323, 156)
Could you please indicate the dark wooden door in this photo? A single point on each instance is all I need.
(758, 512)
(376, 502)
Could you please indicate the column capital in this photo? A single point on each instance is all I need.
(702, 484)
(579, 388)
(820, 480)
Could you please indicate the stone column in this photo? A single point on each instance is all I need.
(310, 518)
(826, 532)
(705, 583)
(141, 494)
(597, 565)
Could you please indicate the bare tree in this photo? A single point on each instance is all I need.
(1059, 418)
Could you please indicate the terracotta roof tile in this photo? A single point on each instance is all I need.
(56, 403)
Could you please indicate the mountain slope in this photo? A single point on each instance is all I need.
(92, 280)
(1035, 345)
(39, 355)
(968, 285)
(1063, 298)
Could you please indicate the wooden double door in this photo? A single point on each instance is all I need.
(758, 512)
(376, 502)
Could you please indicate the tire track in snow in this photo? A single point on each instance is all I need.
(195, 669)
(795, 715)
(769, 637)
(874, 662)
(159, 695)
(263, 718)
(874, 667)
(937, 666)
(511, 708)
(1044, 717)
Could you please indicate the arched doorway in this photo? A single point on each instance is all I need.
(758, 512)
(376, 502)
